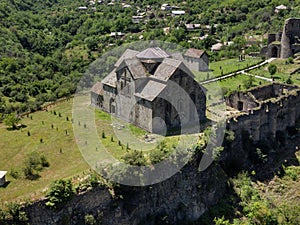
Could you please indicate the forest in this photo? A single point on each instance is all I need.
(47, 45)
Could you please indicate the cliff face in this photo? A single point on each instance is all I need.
(183, 197)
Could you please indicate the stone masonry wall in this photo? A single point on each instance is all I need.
(291, 29)
(275, 114)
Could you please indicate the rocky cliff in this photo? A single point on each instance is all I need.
(183, 197)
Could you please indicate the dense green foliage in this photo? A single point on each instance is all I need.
(11, 120)
(47, 45)
(33, 164)
(59, 193)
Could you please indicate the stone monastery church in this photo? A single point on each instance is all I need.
(152, 90)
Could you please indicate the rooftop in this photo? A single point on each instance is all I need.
(2, 174)
(194, 53)
(153, 54)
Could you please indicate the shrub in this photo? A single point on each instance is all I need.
(33, 164)
(14, 173)
(272, 68)
(89, 219)
(59, 193)
(17, 213)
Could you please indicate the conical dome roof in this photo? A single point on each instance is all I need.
(153, 54)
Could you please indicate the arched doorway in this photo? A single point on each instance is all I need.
(274, 52)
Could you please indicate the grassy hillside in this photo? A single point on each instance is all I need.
(59, 148)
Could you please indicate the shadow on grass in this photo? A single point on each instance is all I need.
(17, 127)
(33, 177)
(5, 185)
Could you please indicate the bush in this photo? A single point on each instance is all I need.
(14, 173)
(272, 68)
(89, 219)
(59, 193)
(33, 164)
(17, 213)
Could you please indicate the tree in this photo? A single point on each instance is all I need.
(33, 164)
(249, 82)
(12, 120)
(272, 68)
(59, 193)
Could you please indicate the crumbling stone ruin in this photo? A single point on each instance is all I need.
(263, 111)
(286, 43)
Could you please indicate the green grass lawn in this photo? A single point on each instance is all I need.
(230, 84)
(60, 147)
(283, 71)
(227, 66)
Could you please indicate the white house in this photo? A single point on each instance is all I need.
(178, 12)
(216, 47)
(165, 7)
(2, 177)
(279, 8)
(82, 8)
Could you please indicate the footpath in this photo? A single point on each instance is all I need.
(243, 71)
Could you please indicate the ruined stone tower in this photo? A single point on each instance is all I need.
(290, 43)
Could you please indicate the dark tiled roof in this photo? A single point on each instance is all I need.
(168, 67)
(97, 88)
(153, 53)
(126, 55)
(194, 53)
(136, 68)
(110, 79)
(150, 90)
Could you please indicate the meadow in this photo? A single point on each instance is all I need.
(227, 66)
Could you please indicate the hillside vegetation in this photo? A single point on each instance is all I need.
(47, 45)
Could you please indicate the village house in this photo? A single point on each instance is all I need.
(216, 47)
(178, 12)
(197, 60)
(2, 177)
(137, 19)
(280, 8)
(148, 87)
(192, 27)
(165, 7)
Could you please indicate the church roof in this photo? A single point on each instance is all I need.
(129, 53)
(153, 54)
(110, 79)
(97, 88)
(135, 63)
(150, 90)
(168, 67)
(135, 67)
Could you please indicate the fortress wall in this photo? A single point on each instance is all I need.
(270, 117)
(271, 38)
(234, 100)
(265, 92)
(290, 30)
